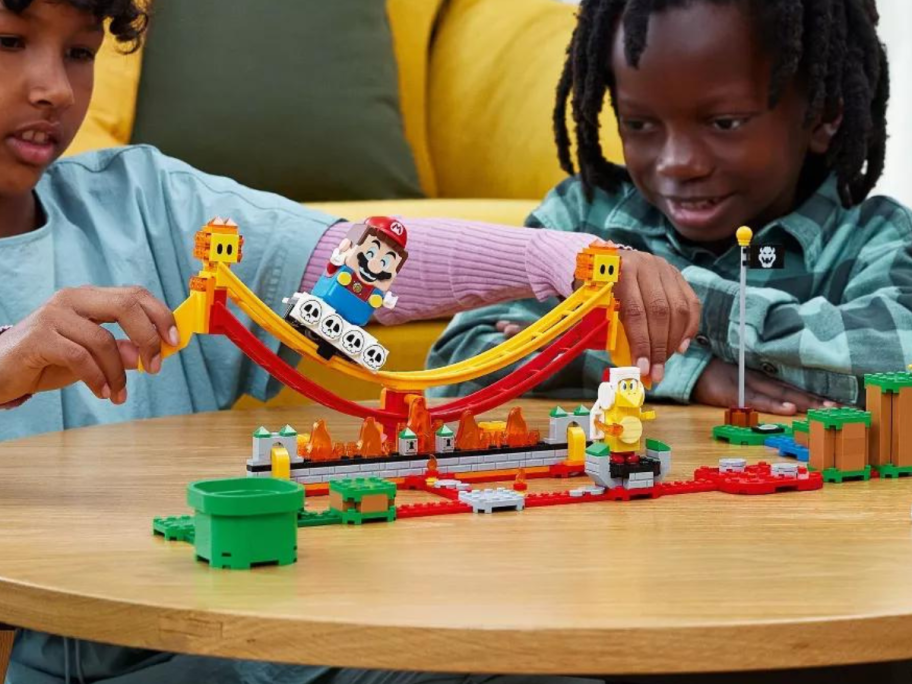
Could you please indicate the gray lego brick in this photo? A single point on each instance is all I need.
(489, 500)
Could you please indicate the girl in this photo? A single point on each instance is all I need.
(107, 238)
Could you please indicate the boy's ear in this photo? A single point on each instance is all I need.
(825, 129)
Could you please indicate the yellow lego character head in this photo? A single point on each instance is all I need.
(598, 263)
(624, 388)
(219, 241)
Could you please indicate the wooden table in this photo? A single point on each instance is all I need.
(700, 582)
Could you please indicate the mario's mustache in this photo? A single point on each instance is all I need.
(362, 262)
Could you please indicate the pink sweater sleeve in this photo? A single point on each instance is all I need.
(455, 265)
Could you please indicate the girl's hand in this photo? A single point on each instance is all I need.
(63, 342)
(718, 386)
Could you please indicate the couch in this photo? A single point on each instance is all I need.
(474, 81)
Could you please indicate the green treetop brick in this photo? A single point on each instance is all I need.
(581, 411)
(837, 417)
(889, 382)
(558, 412)
(355, 488)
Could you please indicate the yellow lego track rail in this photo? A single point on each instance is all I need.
(548, 328)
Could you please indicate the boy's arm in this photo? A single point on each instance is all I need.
(820, 346)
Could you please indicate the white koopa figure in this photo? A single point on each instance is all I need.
(606, 393)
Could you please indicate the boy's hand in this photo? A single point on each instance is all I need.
(659, 310)
(718, 386)
(63, 342)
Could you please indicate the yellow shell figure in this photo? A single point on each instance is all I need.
(617, 416)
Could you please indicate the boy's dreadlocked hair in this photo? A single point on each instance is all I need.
(129, 18)
(833, 43)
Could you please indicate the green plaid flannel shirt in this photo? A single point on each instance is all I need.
(840, 308)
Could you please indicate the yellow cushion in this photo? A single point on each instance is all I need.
(494, 69)
(506, 212)
(411, 24)
(409, 344)
(109, 121)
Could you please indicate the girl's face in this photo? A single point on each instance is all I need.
(46, 76)
(700, 141)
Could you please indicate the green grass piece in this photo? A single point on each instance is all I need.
(744, 435)
(175, 528)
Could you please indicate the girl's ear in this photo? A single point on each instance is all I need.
(825, 129)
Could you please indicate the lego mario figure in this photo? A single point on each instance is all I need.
(362, 268)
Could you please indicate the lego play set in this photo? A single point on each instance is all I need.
(447, 450)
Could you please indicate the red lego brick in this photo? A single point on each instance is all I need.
(424, 510)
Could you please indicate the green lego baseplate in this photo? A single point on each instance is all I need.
(353, 517)
(835, 418)
(175, 528)
(890, 470)
(328, 517)
(837, 475)
(745, 436)
(356, 488)
(889, 382)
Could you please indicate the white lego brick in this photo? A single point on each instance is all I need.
(469, 460)
(641, 476)
(580, 492)
(639, 484)
(339, 470)
(321, 471)
(732, 465)
(488, 500)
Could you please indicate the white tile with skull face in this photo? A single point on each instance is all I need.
(308, 311)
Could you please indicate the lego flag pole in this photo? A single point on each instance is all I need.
(744, 236)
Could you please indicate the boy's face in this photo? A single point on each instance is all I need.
(700, 141)
(46, 76)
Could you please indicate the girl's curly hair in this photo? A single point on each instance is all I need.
(128, 18)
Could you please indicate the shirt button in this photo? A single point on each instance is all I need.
(769, 368)
(702, 340)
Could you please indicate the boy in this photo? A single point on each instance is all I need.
(731, 113)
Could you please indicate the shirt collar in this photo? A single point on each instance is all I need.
(814, 217)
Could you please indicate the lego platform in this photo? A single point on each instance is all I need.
(538, 590)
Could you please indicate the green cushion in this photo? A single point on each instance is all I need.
(299, 97)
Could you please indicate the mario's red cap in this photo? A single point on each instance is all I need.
(390, 228)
